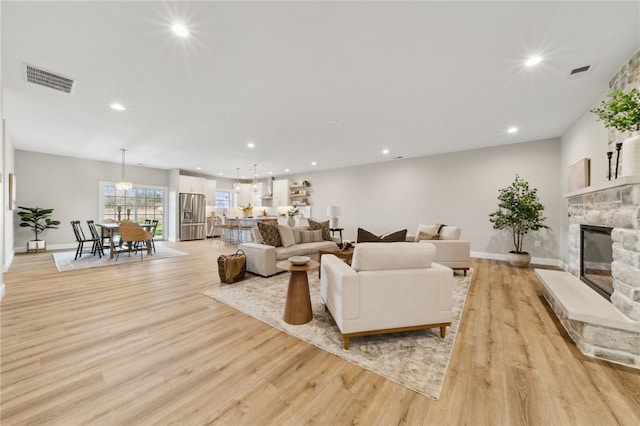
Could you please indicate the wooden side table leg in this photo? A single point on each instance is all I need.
(297, 308)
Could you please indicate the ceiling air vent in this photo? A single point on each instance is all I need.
(580, 70)
(48, 79)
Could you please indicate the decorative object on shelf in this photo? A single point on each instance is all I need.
(333, 212)
(38, 220)
(622, 112)
(579, 175)
(618, 147)
(609, 155)
(299, 260)
(519, 211)
(123, 185)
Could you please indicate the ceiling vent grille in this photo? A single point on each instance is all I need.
(580, 70)
(48, 79)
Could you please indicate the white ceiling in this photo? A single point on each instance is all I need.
(331, 82)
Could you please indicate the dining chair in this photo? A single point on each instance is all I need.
(133, 239)
(98, 245)
(152, 231)
(81, 240)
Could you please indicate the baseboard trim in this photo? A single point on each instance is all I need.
(534, 260)
(50, 247)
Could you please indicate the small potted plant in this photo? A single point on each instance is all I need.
(621, 111)
(38, 220)
(292, 213)
(519, 211)
(247, 210)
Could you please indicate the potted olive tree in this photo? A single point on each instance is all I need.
(37, 220)
(519, 211)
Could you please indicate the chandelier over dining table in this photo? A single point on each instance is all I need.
(123, 185)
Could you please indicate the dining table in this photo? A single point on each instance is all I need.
(110, 228)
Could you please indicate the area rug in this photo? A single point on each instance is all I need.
(417, 360)
(64, 260)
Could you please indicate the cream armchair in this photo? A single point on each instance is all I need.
(390, 287)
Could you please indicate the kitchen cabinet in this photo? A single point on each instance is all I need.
(191, 184)
(280, 190)
(210, 192)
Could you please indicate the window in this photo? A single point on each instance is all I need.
(223, 199)
(138, 204)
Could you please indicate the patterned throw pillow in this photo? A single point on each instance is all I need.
(365, 236)
(324, 226)
(270, 235)
(311, 236)
(427, 236)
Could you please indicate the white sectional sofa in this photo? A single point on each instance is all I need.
(262, 258)
(451, 251)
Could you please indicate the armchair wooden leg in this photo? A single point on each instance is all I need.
(346, 342)
(443, 330)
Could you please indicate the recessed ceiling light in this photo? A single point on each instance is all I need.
(180, 30)
(286, 170)
(117, 107)
(198, 168)
(534, 60)
(251, 145)
(385, 151)
(313, 163)
(333, 121)
(270, 173)
(220, 174)
(512, 130)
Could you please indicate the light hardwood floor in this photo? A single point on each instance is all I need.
(139, 344)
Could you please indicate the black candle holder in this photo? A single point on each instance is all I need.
(609, 155)
(618, 148)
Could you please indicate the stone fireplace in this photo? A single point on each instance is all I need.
(603, 327)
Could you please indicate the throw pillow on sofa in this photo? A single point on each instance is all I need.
(323, 226)
(311, 236)
(270, 235)
(286, 235)
(426, 236)
(365, 236)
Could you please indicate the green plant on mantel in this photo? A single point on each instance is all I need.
(621, 111)
(37, 219)
(519, 211)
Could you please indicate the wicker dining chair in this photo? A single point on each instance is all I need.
(134, 239)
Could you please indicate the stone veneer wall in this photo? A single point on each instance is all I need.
(618, 208)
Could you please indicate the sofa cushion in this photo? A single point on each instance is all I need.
(312, 236)
(255, 235)
(305, 249)
(427, 236)
(375, 257)
(286, 235)
(270, 235)
(365, 236)
(323, 226)
(450, 233)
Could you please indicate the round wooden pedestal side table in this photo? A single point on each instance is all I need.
(297, 308)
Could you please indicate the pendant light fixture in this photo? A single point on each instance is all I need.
(254, 187)
(238, 180)
(123, 185)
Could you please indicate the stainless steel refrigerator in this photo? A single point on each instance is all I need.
(192, 217)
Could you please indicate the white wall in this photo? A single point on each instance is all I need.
(456, 189)
(69, 186)
(586, 138)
